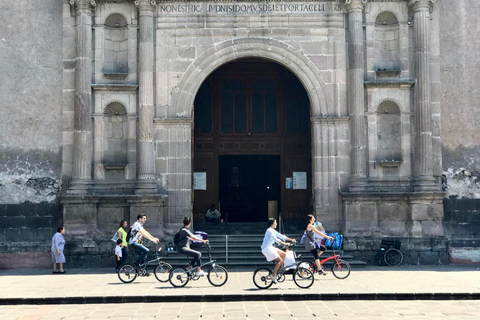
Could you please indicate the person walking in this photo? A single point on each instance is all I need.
(122, 234)
(58, 244)
(272, 253)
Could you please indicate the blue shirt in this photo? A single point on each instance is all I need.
(272, 237)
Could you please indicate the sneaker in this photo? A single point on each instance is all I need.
(322, 272)
(201, 273)
(274, 280)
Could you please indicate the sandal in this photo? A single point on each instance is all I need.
(62, 272)
(54, 271)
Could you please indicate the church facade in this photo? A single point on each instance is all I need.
(339, 108)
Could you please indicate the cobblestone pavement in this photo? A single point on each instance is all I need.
(274, 310)
(104, 283)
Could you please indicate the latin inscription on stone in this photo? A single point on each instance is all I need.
(260, 8)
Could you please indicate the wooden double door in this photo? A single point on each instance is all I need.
(251, 132)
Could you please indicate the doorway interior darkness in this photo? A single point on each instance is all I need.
(252, 115)
(247, 184)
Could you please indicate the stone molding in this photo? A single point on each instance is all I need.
(353, 5)
(145, 5)
(83, 5)
(114, 87)
(330, 120)
(418, 5)
(390, 84)
(173, 121)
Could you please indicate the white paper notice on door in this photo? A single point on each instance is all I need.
(199, 181)
(299, 180)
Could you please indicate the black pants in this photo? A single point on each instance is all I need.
(191, 253)
(119, 262)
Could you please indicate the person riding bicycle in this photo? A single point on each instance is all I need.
(312, 245)
(136, 239)
(184, 248)
(269, 251)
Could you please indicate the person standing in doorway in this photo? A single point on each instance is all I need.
(58, 244)
(212, 214)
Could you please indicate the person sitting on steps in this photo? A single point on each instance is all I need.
(272, 253)
(183, 246)
(212, 214)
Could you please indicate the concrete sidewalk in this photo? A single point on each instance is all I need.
(35, 286)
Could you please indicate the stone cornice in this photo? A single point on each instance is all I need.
(114, 87)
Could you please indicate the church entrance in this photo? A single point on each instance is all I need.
(252, 143)
(247, 185)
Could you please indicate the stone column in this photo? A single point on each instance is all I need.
(146, 165)
(82, 130)
(356, 96)
(423, 163)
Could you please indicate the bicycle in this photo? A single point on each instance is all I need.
(340, 269)
(302, 276)
(389, 253)
(128, 272)
(217, 275)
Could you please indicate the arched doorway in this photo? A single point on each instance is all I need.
(251, 134)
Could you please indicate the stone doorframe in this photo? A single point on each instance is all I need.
(327, 129)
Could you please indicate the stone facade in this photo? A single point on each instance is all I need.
(107, 111)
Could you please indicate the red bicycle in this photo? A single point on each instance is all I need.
(340, 269)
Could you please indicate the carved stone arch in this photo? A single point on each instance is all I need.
(115, 107)
(388, 106)
(116, 20)
(386, 18)
(183, 96)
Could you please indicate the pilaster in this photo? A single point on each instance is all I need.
(146, 164)
(356, 96)
(82, 134)
(423, 161)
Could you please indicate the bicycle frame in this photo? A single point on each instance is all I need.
(210, 262)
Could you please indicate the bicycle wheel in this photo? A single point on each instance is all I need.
(341, 270)
(280, 277)
(217, 276)
(393, 257)
(127, 273)
(179, 277)
(162, 271)
(310, 263)
(262, 278)
(303, 278)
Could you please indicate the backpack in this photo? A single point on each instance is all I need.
(129, 234)
(176, 238)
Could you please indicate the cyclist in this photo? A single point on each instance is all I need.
(312, 245)
(184, 248)
(269, 251)
(136, 239)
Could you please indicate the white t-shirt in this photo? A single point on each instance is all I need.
(136, 236)
(118, 250)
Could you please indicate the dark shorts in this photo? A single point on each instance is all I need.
(316, 251)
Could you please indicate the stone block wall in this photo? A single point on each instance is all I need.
(26, 231)
(462, 220)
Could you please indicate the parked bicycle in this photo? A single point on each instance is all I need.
(128, 272)
(217, 275)
(340, 268)
(302, 275)
(389, 253)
